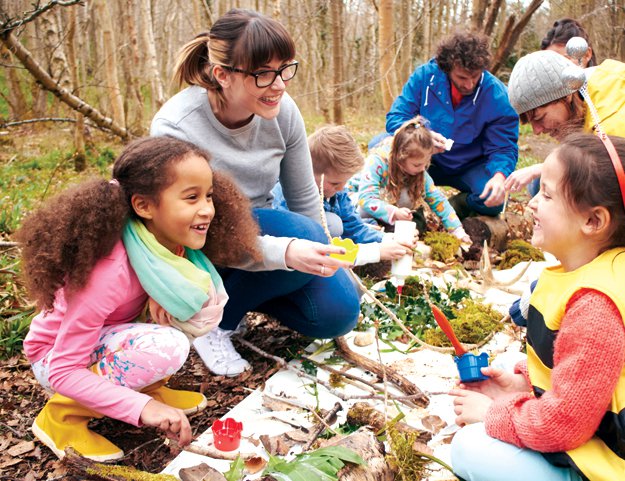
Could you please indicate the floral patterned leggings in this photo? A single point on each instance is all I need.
(134, 355)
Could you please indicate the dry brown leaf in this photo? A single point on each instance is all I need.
(420, 447)
(255, 464)
(201, 472)
(21, 448)
(433, 423)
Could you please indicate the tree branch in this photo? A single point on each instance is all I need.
(49, 84)
(514, 33)
(10, 24)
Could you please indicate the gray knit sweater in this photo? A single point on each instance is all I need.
(256, 155)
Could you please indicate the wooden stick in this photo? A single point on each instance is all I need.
(324, 423)
(393, 376)
(299, 372)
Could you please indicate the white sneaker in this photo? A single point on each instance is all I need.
(219, 355)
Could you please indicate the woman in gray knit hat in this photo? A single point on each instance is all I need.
(539, 94)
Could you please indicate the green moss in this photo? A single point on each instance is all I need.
(519, 251)
(444, 245)
(126, 472)
(473, 322)
(404, 460)
(414, 286)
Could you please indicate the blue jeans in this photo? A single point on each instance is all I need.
(472, 181)
(475, 456)
(320, 307)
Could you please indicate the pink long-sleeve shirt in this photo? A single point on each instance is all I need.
(112, 295)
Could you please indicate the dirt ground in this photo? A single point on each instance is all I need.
(22, 457)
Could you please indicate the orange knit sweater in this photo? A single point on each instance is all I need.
(589, 354)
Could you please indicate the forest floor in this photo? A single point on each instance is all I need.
(21, 397)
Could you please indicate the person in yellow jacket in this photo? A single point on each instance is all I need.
(538, 93)
(560, 416)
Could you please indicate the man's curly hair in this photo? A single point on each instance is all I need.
(468, 50)
(62, 242)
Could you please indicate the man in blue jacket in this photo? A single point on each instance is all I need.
(466, 104)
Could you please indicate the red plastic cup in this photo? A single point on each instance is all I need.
(227, 434)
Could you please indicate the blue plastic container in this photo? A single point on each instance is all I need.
(469, 366)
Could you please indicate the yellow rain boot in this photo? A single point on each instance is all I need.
(63, 422)
(190, 402)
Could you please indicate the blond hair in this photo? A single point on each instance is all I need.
(332, 147)
(413, 131)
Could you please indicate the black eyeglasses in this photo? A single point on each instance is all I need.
(264, 78)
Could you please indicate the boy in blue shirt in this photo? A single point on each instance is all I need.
(336, 156)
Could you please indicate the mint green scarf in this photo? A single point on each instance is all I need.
(180, 285)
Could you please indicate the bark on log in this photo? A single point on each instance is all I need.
(393, 376)
(497, 232)
(363, 414)
(372, 451)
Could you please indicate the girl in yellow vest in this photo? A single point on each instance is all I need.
(561, 414)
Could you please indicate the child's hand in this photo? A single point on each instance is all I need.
(471, 407)
(172, 421)
(403, 213)
(313, 258)
(460, 233)
(499, 383)
(393, 250)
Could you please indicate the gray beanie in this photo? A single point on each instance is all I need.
(536, 80)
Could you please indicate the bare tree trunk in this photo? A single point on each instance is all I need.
(131, 61)
(80, 160)
(321, 11)
(147, 33)
(405, 51)
(491, 18)
(386, 52)
(15, 99)
(57, 60)
(337, 64)
(477, 17)
(427, 27)
(110, 62)
(514, 32)
(48, 83)
(39, 95)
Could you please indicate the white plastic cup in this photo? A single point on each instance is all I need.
(404, 232)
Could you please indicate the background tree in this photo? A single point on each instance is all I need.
(354, 54)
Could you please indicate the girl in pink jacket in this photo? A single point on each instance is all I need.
(93, 256)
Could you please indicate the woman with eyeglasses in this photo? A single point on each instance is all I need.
(236, 107)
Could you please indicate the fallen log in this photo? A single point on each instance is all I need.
(418, 397)
(92, 470)
(371, 450)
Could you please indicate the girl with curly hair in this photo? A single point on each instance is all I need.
(237, 106)
(93, 256)
(395, 181)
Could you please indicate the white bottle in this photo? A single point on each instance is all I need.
(402, 267)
